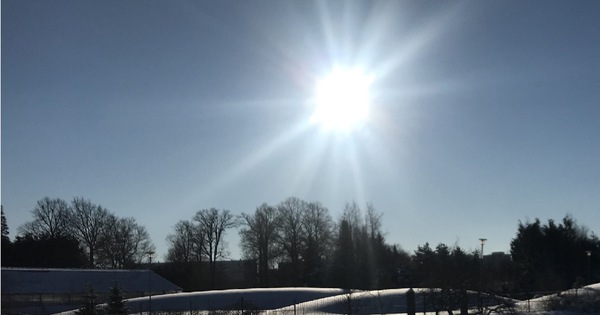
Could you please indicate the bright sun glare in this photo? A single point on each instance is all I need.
(342, 99)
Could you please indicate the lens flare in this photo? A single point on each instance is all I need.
(342, 99)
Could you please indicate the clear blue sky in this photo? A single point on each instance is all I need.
(484, 112)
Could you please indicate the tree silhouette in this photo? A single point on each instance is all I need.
(88, 222)
(123, 243)
(212, 225)
(292, 212)
(90, 300)
(318, 243)
(7, 253)
(260, 239)
(5, 232)
(50, 219)
(115, 304)
(46, 252)
(552, 256)
(343, 267)
(185, 243)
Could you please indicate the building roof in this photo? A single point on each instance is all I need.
(47, 281)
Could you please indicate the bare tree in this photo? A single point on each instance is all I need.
(317, 239)
(292, 211)
(50, 219)
(373, 221)
(364, 235)
(352, 215)
(185, 243)
(88, 222)
(123, 244)
(212, 224)
(259, 238)
(140, 243)
(318, 225)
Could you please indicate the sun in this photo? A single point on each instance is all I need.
(342, 99)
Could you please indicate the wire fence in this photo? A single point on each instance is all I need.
(396, 301)
(356, 303)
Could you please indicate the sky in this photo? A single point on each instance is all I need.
(482, 114)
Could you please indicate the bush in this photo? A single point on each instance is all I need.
(586, 300)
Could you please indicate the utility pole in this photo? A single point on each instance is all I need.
(150, 253)
(589, 256)
(479, 301)
(482, 240)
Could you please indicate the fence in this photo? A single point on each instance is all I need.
(298, 301)
(396, 301)
(47, 303)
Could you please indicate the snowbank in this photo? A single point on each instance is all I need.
(281, 301)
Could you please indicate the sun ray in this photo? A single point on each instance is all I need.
(257, 157)
(357, 174)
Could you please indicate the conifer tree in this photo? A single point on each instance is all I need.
(6, 248)
(90, 301)
(344, 269)
(5, 237)
(116, 305)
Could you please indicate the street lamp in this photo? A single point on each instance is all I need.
(150, 253)
(482, 240)
(480, 302)
(589, 255)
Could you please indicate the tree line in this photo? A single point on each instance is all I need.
(295, 243)
(75, 234)
(298, 243)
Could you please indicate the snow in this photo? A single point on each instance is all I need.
(277, 301)
(261, 298)
(536, 305)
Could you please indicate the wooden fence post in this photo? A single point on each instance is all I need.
(242, 305)
(411, 307)
(464, 302)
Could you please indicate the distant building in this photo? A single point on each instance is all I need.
(45, 291)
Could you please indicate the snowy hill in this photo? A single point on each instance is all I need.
(276, 301)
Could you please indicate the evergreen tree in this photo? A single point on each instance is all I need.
(7, 256)
(343, 273)
(5, 232)
(364, 260)
(552, 256)
(90, 301)
(46, 252)
(116, 305)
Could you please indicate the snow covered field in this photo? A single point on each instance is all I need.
(580, 297)
(293, 301)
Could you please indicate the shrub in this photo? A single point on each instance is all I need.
(587, 300)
